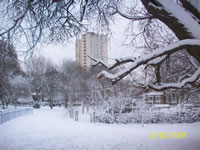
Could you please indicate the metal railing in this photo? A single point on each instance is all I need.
(11, 114)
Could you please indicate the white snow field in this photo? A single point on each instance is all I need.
(53, 130)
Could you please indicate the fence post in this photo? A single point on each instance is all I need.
(76, 115)
(71, 113)
(82, 109)
(92, 117)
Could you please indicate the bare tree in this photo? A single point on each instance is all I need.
(75, 81)
(48, 20)
(182, 20)
(52, 82)
(58, 19)
(35, 69)
(9, 68)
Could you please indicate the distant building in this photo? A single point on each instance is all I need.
(91, 44)
(162, 98)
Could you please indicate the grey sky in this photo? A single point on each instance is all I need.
(116, 46)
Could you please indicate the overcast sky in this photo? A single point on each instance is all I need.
(117, 46)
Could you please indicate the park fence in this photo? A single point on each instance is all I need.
(7, 115)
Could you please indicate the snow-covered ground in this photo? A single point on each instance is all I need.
(53, 130)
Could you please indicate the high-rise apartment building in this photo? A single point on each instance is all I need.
(91, 44)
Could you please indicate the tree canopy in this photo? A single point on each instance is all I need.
(168, 28)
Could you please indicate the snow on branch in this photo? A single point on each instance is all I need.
(118, 62)
(99, 62)
(180, 45)
(183, 17)
(121, 61)
(178, 85)
(157, 60)
(194, 6)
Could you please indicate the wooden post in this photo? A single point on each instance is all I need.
(92, 117)
(82, 109)
(76, 115)
(71, 113)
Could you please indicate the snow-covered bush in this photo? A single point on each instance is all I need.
(171, 115)
(105, 118)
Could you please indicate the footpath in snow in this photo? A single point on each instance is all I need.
(50, 129)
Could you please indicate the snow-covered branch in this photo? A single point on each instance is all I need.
(180, 45)
(192, 6)
(181, 84)
(157, 60)
(189, 21)
(98, 62)
(118, 62)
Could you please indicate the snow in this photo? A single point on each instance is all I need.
(157, 60)
(183, 17)
(101, 61)
(107, 74)
(33, 93)
(154, 93)
(195, 3)
(54, 130)
(12, 108)
(162, 105)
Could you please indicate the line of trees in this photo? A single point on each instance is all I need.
(69, 82)
(9, 69)
(42, 80)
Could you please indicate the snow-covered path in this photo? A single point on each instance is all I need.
(53, 130)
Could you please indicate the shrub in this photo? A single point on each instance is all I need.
(156, 116)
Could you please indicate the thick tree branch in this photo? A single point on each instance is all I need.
(157, 60)
(184, 44)
(118, 62)
(191, 8)
(184, 27)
